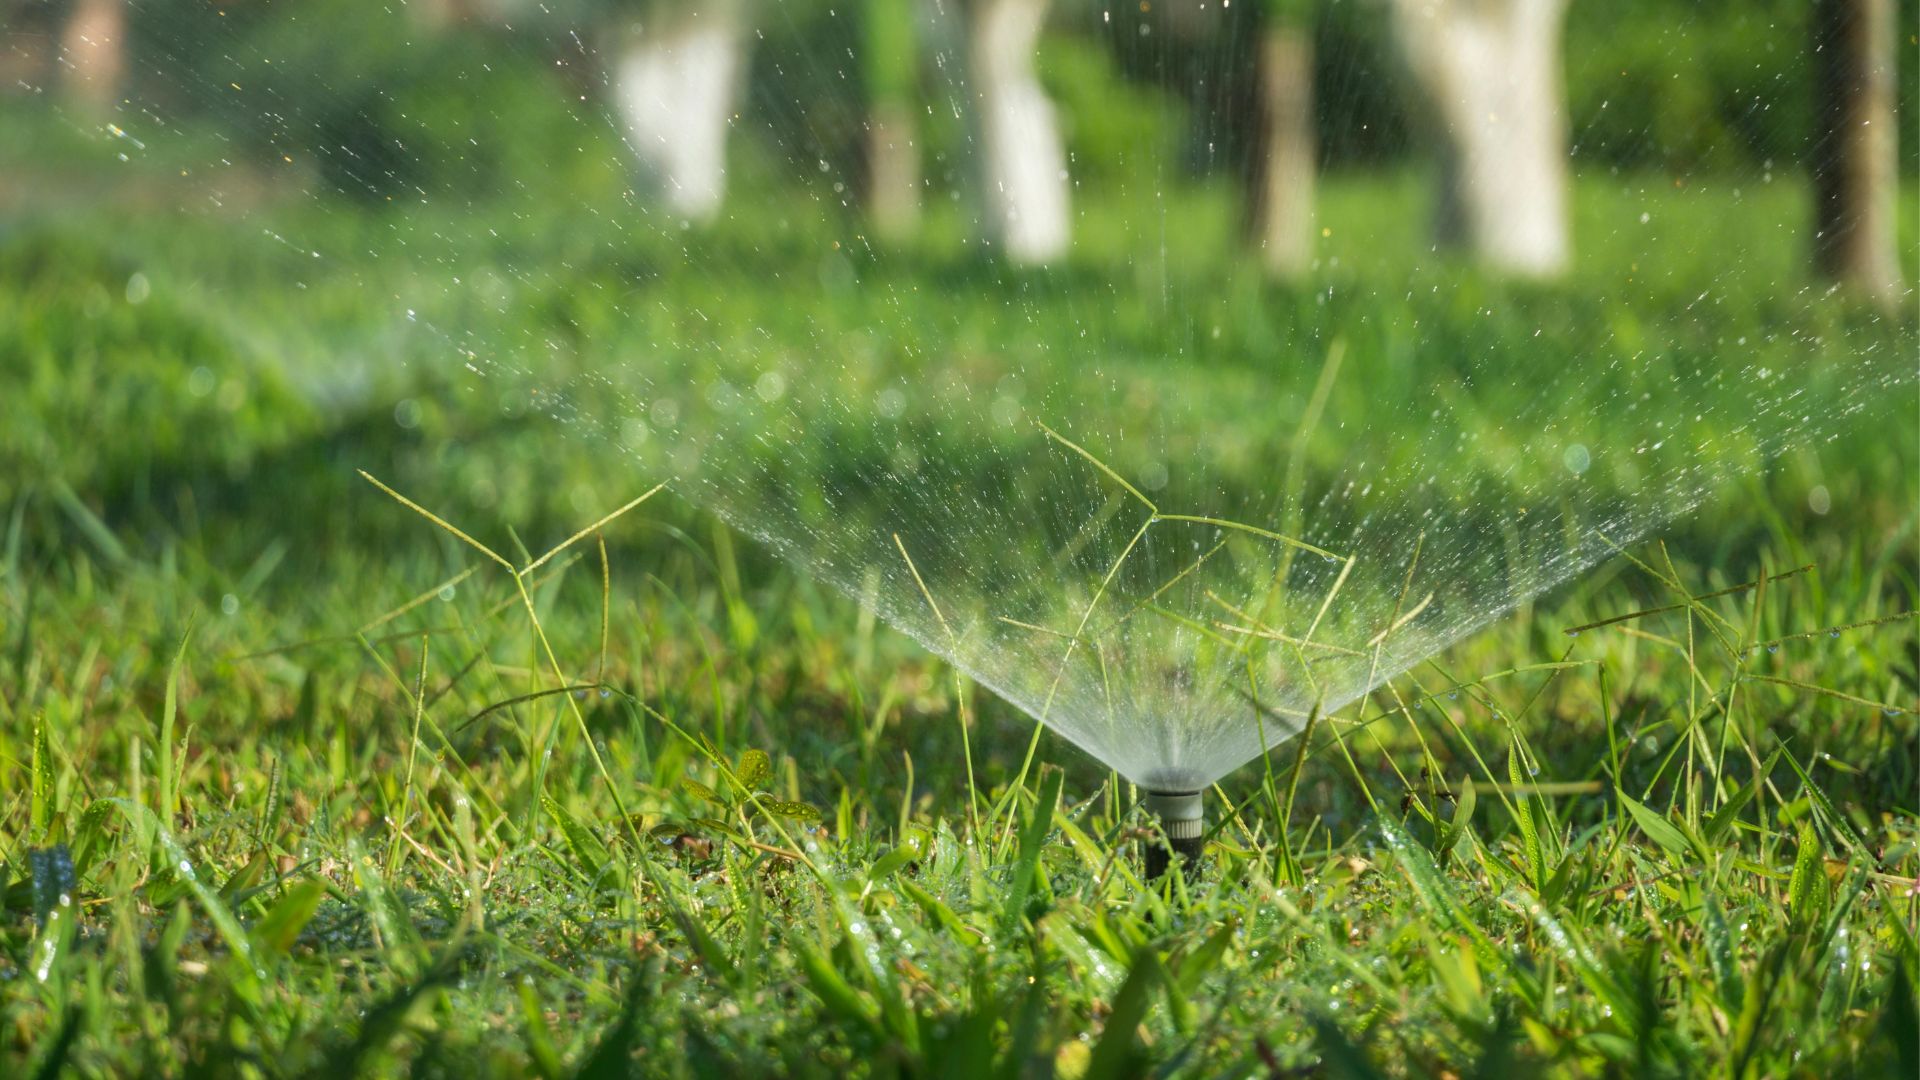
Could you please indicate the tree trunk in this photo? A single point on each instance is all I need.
(1490, 73)
(890, 67)
(675, 86)
(1854, 159)
(439, 14)
(1281, 169)
(93, 52)
(893, 170)
(1023, 164)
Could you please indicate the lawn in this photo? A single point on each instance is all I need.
(298, 780)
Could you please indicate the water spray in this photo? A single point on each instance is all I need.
(1184, 825)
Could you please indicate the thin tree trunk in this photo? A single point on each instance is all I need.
(890, 64)
(443, 13)
(675, 87)
(1490, 73)
(893, 170)
(1281, 171)
(1854, 160)
(93, 52)
(1023, 162)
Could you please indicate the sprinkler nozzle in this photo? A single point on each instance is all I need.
(1181, 820)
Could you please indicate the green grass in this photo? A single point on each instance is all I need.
(1592, 882)
(341, 792)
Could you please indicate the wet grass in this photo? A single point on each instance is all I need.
(434, 845)
(298, 780)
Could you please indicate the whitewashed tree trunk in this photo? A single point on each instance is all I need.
(1022, 159)
(93, 52)
(1489, 71)
(675, 86)
(1856, 146)
(1280, 181)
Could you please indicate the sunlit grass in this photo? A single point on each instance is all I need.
(394, 859)
(655, 802)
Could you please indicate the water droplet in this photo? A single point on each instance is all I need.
(1773, 648)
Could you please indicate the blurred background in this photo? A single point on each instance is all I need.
(280, 239)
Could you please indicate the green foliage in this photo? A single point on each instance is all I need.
(1658, 829)
(1731, 85)
(400, 109)
(1028, 879)
(1116, 131)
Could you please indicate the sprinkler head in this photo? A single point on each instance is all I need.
(1180, 819)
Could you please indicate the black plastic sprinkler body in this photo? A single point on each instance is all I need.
(1181, 820)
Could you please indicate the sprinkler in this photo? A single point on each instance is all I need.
(1180, 819)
